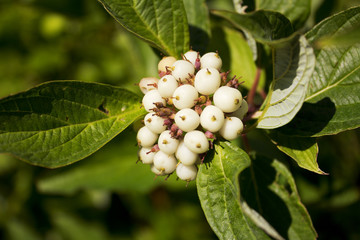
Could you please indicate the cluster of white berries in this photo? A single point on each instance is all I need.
(191, 103)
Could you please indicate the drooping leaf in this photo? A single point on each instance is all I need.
(60, 122)
(293, 66)
(303, 150)
(112, 168)
(296, 11)
(162, 23)
(199, 23)
(264, 26)
(218, 190)
(332, 103)
(268, 188)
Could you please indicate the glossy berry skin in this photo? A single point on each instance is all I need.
(166, 62)
(165, 163)
(207, 81)
(154, 123)
(145, 137)
(185, 96)
(186, 172)
(150, 98)
(167, 85)
(145, 155)
(185, 155)
(228, 99)
(191, 56)
(211, 60)
(182, 70)
(196, 141)
(156, 171)
(187, 119)
(232, 128)
(212, 118)
(166, 143)
(147, 84)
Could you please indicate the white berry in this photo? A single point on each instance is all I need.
(154, 123)
(186, 172)
(191, 56)
(212, 118)
(147, 84)
(242, 110)
(145, 137)
(150, 98)
(166, 62)
(185, 155)
(167, 85)
(207, 81)
(196, 141)
(166, 143)
(145, 155)
(232, 128)
(211, 59)
(228, 99)
(182, 70)
(185, 96)
(165, 163)
(156, 171)
(187, 119)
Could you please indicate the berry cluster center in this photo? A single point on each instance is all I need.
(191, 105)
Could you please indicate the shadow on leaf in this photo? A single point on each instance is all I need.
(311, 119)
(257, 183)
(198, 38)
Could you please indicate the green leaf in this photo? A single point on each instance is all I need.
(241, 59)
(162, 23)
(199, 23)
(332, 103)
(58, 123)
(269, 189)
(296, 11)
(293, 66)
(303, 150)
(112, 168)
(218, 190)
(264, 26)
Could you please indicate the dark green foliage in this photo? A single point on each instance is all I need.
(311, 75)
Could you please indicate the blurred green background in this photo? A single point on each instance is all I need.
(108, 196)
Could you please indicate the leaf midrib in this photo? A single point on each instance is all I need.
(76, 124)
(226, 179)
(332, 85)
(154, 36)
(332, 73)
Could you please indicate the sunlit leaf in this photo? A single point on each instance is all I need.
(303, 150)
(218, 190)
(162, 23)
(58, 123)
(293, 66)
(332, 102)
